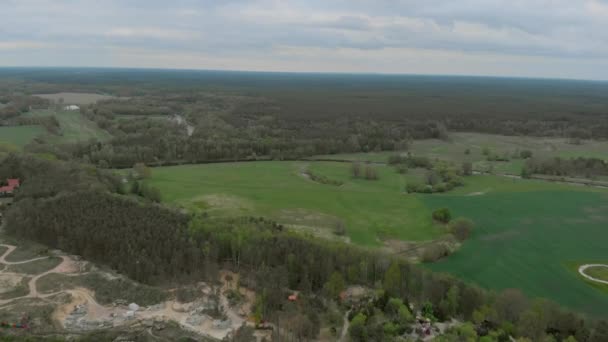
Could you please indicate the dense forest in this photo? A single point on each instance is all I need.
(89, 216)
(194, 116)
(576, 167)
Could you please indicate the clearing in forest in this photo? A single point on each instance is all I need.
(18, 136)
(73, 126)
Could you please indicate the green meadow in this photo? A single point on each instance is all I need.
(370, 210)
(73, 126)
(19, 136)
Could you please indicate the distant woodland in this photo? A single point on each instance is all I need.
(181, 116)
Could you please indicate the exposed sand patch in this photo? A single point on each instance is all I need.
(8, 281)
(222, 202)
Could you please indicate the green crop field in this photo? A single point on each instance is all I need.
(74, 127)
(528, 236)
(19, 136)
(370, 210)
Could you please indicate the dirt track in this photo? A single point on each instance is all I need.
(66, 266)
(582, 269)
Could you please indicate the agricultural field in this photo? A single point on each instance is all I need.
(530, 235)
(19, 136)
(75, 98)
(74, 127)
(369, 210)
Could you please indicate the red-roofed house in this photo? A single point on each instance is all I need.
(12, 184)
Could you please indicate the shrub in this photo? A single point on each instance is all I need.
(467, 168)
(402, 169)
(435, 252)
(442, 215)
(461, 228)
(525, 154)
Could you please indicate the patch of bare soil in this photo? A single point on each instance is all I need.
(8, 281)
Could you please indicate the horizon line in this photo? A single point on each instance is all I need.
(342, 73)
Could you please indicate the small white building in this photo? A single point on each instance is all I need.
(72, 107)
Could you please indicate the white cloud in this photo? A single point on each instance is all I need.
(23, 45)
(152, 32)
(454, 36)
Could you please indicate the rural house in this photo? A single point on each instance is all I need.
(12, 184)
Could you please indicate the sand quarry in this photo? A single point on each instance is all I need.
(81, 312)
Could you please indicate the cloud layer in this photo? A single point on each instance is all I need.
(547, 38)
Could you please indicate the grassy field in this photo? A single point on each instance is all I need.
(76, 98)
(370, 210)
(19, 136)
(74, 127)
(527, 234)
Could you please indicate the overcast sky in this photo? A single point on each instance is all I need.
(544, 38)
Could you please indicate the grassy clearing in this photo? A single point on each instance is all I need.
(526, 238)
(35, 267)
(15, 137)
(76, 98)
(370, 210)
(74, 127)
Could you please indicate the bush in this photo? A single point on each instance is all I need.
(467, 168)
(402, 169)
(525, 154)
(442, 215)
(435, 252)
(461, 228)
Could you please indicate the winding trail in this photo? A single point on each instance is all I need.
(64, 267)
(9, 251)
(582, 269)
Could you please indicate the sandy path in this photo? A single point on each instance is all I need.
(66, 266)
(344, 327)
(9, 251)
(582, 269)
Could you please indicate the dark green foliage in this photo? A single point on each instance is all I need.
(442, 215)
(525, 154)
(576, 167)
(467, 168)
(323, 179)
(435, 252)
(461, 228)
(365, 171)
